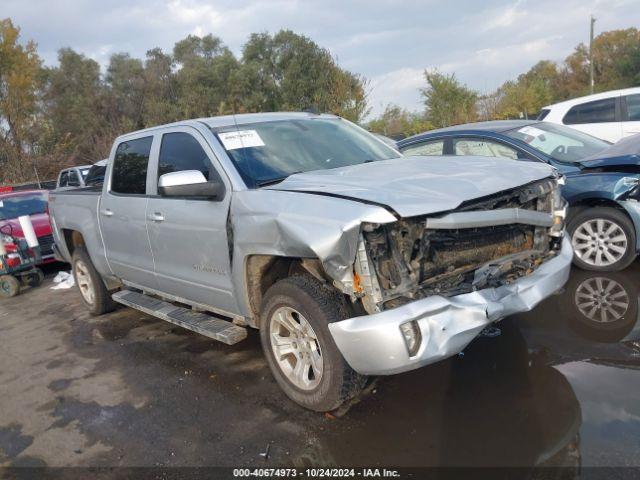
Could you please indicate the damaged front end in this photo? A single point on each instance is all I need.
(484, 243)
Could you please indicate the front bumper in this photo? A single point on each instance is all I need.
(374, 344)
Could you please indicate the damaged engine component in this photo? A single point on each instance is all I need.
(412, 261)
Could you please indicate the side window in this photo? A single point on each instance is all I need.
(129, 175)
(180, 151)
(74, 181)
(633, 107)
(427, 148)
(64, 179)
(483, 148)
(598, 111)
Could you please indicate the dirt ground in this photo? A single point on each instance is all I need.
(126, 389)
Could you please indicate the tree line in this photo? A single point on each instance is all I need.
(52, 117)
(616, 59)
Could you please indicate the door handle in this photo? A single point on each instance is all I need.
(106, 212)
(156, 217)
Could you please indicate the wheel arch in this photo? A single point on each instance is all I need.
(263, 271)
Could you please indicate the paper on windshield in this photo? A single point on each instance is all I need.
(240, 139)
(1, 204)
(532, 131)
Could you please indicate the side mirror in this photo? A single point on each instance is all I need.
(189, 183)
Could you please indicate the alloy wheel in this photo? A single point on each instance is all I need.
(599, 242)
(296, 349)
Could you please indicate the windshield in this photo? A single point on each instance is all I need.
(561, 143)
(16, 206)
(268, 152)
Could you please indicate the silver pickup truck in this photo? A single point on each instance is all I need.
(350, 259)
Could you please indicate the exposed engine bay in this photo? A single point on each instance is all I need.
(421, 256)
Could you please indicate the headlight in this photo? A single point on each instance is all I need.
(412, 336)
(6, 239)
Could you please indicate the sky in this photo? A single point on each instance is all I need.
(389, 42)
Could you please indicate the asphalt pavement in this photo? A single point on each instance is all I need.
(557, 386)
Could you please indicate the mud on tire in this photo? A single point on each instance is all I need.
(316, 306)
(88, 279)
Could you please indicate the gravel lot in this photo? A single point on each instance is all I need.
(126, 389)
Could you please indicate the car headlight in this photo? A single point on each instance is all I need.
(6, 239)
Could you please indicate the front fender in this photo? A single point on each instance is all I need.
(298, 225)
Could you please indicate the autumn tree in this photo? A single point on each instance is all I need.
(397, 122)
(19, 79)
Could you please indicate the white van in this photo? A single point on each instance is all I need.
(609, 115)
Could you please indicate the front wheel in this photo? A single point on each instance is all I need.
(603, 239)
(299, 348)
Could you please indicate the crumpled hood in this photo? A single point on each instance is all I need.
(625, 153)
(419, 185)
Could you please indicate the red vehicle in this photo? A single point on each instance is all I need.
(27, 202)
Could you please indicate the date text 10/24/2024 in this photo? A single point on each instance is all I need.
(316, 472)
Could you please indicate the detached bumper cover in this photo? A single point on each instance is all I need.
(374, 344)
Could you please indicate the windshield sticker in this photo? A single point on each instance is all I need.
(1, 204)
(240, 139)
(532, 131)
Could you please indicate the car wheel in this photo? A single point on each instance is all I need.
(9, 286)
(93, 292)
(35, 278)
(603, 239)
(299, 348)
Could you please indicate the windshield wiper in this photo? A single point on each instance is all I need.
(273, 181)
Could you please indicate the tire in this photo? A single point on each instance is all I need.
(93, 292)
(35, 278)
(9, 286)
(316, 306)
(587, 246)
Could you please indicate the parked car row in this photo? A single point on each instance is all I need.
(601, 180)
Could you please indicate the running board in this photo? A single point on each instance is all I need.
(216, 328)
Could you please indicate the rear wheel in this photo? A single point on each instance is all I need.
(603, 239)
(34, 278)
(299, 348)
(9, 286)
(93, 292)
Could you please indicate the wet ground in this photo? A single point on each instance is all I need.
(558, 386)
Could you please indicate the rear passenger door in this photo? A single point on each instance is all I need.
(631, 115)
(482, 147)
(122, 213)
(189, 237)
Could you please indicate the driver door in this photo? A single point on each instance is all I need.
(188, 236)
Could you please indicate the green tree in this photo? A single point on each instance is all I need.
(204, 80)
(74, 99)
(291, 72)
(446, 101)
(125, 91)
(160, 90)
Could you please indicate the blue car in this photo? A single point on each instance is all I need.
(601, 179)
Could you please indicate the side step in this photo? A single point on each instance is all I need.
(212, 327)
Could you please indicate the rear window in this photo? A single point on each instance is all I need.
(598, 111)
(633, 107)
(19, 205)
(426, 148)
(543, 113)
(129, 176)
